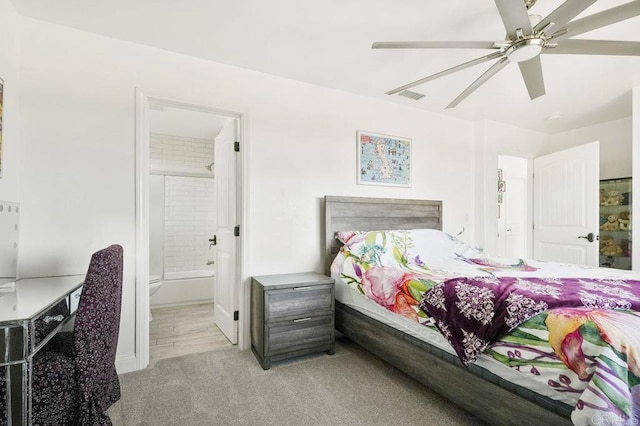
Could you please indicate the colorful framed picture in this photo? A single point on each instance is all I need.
(1, 109)
(383, 160)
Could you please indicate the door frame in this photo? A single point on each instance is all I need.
(142, 149)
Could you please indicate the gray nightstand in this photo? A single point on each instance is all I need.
(291, 315)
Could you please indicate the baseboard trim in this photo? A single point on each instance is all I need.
(126, 363)
(186, 303)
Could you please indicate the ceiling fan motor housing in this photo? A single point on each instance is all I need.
(525, 49)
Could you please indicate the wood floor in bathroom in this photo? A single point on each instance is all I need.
(182, 330)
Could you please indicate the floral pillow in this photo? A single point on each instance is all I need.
(386, 266)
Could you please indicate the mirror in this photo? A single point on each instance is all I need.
(9, 221)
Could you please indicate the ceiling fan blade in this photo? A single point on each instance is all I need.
(514, 16)
(434, 45)
(531, 71)
(460, 67)
(595, 47)
(597, 20)
(480, 81)
(563, 14)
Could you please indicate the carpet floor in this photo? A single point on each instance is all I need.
(228, 387)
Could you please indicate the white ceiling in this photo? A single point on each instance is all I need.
(328, 43)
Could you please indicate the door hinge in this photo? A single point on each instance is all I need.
(236, 315)
(236, 231)
(533, 226)
(236, 146)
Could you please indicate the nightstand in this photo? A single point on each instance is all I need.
(291, 315)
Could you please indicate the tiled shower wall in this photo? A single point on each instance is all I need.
(169, 152)
(189, 222)
(189, 202)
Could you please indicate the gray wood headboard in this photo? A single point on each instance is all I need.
(371, 214)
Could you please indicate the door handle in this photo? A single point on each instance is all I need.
(213, 241)
(589, 237)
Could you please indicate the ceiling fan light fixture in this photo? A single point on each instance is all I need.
(523, 50)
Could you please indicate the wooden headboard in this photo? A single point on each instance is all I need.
(371, 214)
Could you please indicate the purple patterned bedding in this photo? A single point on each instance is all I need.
(574, 337)
(475, 312)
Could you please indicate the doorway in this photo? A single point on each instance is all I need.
(513, 174)
(188, 185)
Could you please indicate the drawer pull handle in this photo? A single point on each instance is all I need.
(302, 319)
(302, 288)
(50, 318)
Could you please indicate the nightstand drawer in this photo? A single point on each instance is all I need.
(297, 301)
(291, 315)
(300, 333)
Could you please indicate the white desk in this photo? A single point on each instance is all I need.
(32, 311)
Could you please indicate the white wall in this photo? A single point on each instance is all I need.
(615, 145)
(77, 173)
(9, 72)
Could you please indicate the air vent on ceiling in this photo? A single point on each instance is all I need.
(411, 95)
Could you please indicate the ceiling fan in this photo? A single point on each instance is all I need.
(527, 39)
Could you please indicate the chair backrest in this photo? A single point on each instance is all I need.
(96, 331)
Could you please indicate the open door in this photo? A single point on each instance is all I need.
(566, 197)
(224, 293)
(513, 203)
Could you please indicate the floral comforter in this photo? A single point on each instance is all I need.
(585, 351)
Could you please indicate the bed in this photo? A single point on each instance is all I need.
(489, 389)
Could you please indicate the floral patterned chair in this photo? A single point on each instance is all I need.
(75, 384)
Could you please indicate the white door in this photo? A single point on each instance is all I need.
(515, 218)
(566, 205)
(224, 293)
(512, 223)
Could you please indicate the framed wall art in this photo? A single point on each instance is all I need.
(383, 160)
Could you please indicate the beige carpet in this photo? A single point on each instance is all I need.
(228, 387)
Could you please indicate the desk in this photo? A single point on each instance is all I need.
(32, 311)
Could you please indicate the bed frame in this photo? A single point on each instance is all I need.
(475, 389)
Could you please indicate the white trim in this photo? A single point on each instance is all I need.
(244, 306)
(142, 222)
(126, 364)
(635, 182)
(142, 231)
(187, 275)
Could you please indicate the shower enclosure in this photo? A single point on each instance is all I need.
(182, 215)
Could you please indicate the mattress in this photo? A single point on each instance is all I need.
(346, 295)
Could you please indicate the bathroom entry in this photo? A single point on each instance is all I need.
(512, 206)
(192, 216)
